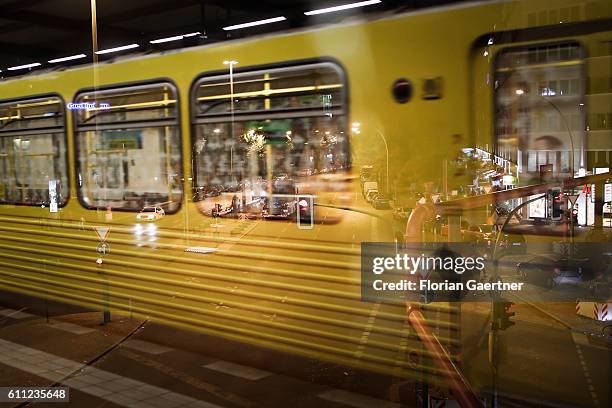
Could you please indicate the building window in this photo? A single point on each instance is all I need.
(33, 151)
(285, 126)
(128, 145)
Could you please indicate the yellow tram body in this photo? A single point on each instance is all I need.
(269, 283)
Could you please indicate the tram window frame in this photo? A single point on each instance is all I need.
(61, 129)
(245, 115)
(173, 121)
(575, 50)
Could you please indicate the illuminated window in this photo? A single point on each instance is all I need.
(285, 126)
(128, 148)
(33, 151)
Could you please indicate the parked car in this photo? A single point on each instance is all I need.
(367, 186)
(483, 233)
(150, 213)
(381, 203)
(284, 199)
(553, 270)
(371, 195)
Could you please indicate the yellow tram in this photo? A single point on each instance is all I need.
(187, 173)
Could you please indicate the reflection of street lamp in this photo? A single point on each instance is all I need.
(231, 64)
(520, 92)
(387, 164)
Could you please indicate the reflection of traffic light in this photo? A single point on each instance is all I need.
(574, 214)
(502, 314)
(557, 204)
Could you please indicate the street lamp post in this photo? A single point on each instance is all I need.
(387, 160)
(521, 92)
(231, 64)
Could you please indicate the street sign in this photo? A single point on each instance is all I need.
(572, 198)
(53, 196)
(102, 232)
(103, 248)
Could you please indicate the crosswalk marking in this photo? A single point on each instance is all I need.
(99, 383)
(14, 314)
(356, 400)
(238, 370)
(72, 328)
(146, 346)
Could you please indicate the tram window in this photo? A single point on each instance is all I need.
(539, 95)
(128, 146)
(33, 151)
(283, 127)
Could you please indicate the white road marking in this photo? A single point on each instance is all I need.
(71, 328)
(238, 370)
(365, 336)
(146, 346)
(356, 400)
(99, 383)
(15, 314)
(580, 339)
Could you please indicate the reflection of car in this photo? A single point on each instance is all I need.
(381, 203)
(479, 233)
(366, 173)
(549, 271)
(202, 193)
(367, 186)
(401, 213)
(304, 172)
(284, 197)
(371, 195)
(150, 213)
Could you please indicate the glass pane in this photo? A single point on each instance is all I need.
(318, 88)
(288, 132)
(32, 151)
(132, 104)
(539, 107)
(31, 114)
(130, 168)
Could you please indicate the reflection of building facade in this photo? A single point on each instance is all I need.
(540, 113)
(544, 111)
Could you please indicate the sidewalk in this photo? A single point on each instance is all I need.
(131, 363)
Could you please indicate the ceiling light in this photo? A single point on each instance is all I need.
(124, 47)
(254, 23)
(34, 64)
(343, 7)
(70, 58)
(167, 39)
(192, 34)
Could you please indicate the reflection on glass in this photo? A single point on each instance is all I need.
(32, 151)
(129, 154)
(289, 126)
(539, 111)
